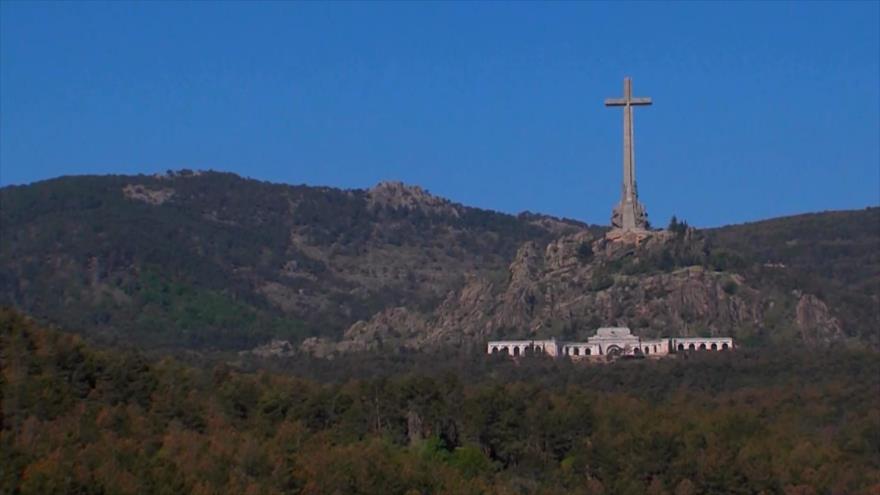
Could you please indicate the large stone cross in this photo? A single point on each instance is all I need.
(629, 214)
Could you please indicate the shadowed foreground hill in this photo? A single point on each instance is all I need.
(214, 261)
(80, 420)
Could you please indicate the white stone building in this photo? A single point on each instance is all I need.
(610, 342)
(522, 347)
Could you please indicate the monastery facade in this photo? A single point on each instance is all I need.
(610, 343)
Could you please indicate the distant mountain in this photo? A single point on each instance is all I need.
(214, 261)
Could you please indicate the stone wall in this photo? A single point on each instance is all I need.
(658, 347)
(524, 347)
(679, 344)
(576, 350)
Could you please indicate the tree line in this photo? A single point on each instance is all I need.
(78, 419)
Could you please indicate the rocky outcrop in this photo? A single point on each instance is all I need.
(139, 192)
(576, 284)
(815, 321)
(522, 298)
(464, 316)
(397, 195)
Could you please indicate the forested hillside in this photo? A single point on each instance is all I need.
(212, 261)
(834, 255)
(80, 420)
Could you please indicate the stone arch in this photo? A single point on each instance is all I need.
(613, 350)
(577, 351)
(692, 347)
(655, 348)
(516, 350)
(539, 349)
(587, 351)
(724, 346)
(494, 349)
(714, 346)
(680, 347)
(504, 350)
(703, 346)
(637, 350)
(647, 350)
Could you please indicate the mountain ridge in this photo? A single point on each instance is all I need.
(208, 259)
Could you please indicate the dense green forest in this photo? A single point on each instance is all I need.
(83, 420)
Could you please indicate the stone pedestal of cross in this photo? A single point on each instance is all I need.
(629, 215)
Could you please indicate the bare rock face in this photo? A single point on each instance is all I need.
(521, 299)
(691, 301)
(527, 264)
(815, 321)
(397, 195)
(464, 315)
(567, 251)
(139, 192)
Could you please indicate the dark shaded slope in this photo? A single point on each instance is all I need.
(835, 255)
(838, 245)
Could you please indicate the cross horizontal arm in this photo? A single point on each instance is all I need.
(620, 102)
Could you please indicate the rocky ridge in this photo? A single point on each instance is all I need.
(212, 261)
(579, 282)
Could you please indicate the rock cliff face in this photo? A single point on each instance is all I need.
(815, 321)
(580, 282)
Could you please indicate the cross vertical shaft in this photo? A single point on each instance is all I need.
(629, 214)
(629, 164)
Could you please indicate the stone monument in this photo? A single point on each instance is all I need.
(629, 218)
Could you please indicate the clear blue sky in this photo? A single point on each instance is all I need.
(760, 109)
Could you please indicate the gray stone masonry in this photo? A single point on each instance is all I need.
(629, 214)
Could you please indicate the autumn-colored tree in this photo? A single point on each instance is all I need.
(80, 420)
